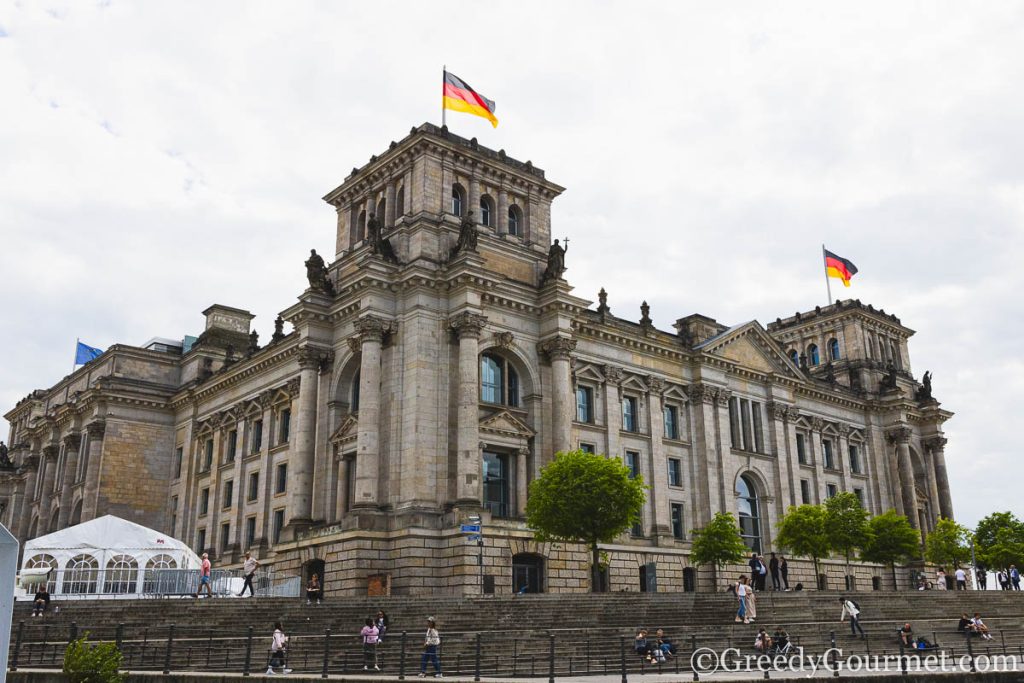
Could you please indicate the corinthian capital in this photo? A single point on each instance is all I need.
(96, 429)
(655, 385)
(51, 451)
(779, 411)
(899, 434)
(557, 347)
(467, 325)
(936, 444)
(72, 441)
(612, 374)
(722, 397)
(372, 328)
(312, 358)
(701, 393)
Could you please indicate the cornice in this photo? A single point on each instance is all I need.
(272, 356)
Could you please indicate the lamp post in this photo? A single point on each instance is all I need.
(478, 520)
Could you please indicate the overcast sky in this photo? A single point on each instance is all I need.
(156, 158)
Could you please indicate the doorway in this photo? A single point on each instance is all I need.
(527, 573)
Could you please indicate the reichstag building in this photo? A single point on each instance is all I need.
(433, 367)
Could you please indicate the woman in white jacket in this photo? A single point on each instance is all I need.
(850, 608)
(278, 648)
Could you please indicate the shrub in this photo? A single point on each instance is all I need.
(86, 662)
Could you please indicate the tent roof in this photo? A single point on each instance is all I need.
(106, 533)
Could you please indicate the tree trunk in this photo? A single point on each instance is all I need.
(595, 568)
(895, 586)
(817, 575)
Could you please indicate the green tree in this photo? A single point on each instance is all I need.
(584, 498)
(718, 544)
(891, 539)
(986, 538)
(1006, 550)
(846, 523)
(948, 544)
(803, 532)
(86, 662)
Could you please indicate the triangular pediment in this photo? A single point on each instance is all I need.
(749, 346)
(505, 423)
(347, 430)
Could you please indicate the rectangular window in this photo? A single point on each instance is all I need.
(801, 449)
(587, 447)
(633, 463)
(677, 521)
(854, 460)
(496, 484)
(805, 492)
(204, 501)
(225, 536)
(229, 493)
(671, 420)
(285, 426)
(208, 455)
(350, 481)
(250, 532)
(831, 490)
(257, 436)
(174, 515)
(755, 411)
(734, 423)
(254, 486)
(860, 496)
(179, 453)
(748, 442)
(637, 531)
(281, 485)
(629, 416)
(584, 404)
(278, 525)
(826, 451)
(232, 445)
(200, 541)
(675, 472)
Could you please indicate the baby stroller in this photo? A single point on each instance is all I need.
(780, 644)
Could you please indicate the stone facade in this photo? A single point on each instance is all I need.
(433, 370)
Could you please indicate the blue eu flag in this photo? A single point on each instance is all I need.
(85, 353)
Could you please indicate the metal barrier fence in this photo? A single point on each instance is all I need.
(81, 584)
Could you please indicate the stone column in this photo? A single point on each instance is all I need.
(31, 466)
(933, 492)
(521, 483)
(661, 526)
(724, 490)
(558, 350)
(341, 493)
(780, 448)
(468, 468)
(901, 437)
(613, 408)
(705, 451)
(301, 461)
(371, 331)
(474, 199)
(49, 465)
(937, 446)
(389, 205)
(407, 193)
(502, 221)
(843, 458)
(72, 443)
(818, 455)
(371, 207)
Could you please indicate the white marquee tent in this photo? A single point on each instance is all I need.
(104, 556)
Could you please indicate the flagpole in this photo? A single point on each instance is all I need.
(828, 285)
(444, 73)
(73, 364)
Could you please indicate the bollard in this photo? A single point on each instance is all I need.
(167, 654)
(622, 657)
(17, 646)
(693, 648)
(327, 650)
(248, 653)
(903, 661)
(476, 660)
(551, 658)
(588, 654)
(119, 636)
(835, 667)
(73, 634)
(1002, 638)
(401, 660)
(970, 651)
(515, 654)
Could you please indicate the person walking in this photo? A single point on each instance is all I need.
(850, 608)
(773, 567)
(741, 597)
(762, 574)
(961, 579)
(784, 571)
(204, 577)
(755, 569)
(249, 570)
(369, 634)
(278, 651)
(982, 576)
(1015, 577)
(751, 598)
(431, 642)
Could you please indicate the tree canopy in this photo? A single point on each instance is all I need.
(719, 543)
(584, 498)
(802, 531)
(846, 523)
(948, 544)
(891, 539)
(999, 540)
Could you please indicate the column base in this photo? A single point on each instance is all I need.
(293, 528)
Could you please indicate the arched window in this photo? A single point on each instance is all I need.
(486, 211)
(120, 577)
(515, 221)
(458, 199)
(749, 513)
(33, 527)
(833, 349)
(154, 570)
(812, 355)
(896, 358)
(794, 356)
(499, 382)
(381, 208)
(400, 203)
(76, 514)
(361, 226)
(53, 520)
(80, 574)
(43, 562)
(353, 405)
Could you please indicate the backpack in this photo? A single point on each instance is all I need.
(855, 604)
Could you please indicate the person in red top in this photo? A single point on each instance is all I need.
(204, 577)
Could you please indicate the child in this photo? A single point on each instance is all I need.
(278, 646)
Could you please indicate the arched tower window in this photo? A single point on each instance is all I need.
(354, 397)
(458, 199)
(361, 226)
(486, 211)
(833, 349)
(499, 381)
(794, 356)
(400, 202)
(749, 513)
(813, 357)
(381, 207)
(515, 221)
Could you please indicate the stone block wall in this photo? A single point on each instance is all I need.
(135, 464)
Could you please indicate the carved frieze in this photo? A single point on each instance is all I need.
(655, 385)
(504, 339)
(72, 441)
(612, 374)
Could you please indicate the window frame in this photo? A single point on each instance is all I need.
(587, 392)
(670, 410)
(631, 417)
(753, 537)
(252, 493)
(281, 478)
(487, 211)
(508, 384)
(515, 220)
(805, 492)
(676, 521)
(457, 202)
(204, 501)
(675, 472)
(229, 494)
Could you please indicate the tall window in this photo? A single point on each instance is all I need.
(854, 459)
(584, 404)
(350, 481)
(860, 496)
(794, 356)
(200, 541)
(281, 485)
(229, 493)
(250, 532)
(831, 490)
(174, 515)
(629, 414)
(208, 455)
(833, 349)
(671, 421)
(361, 225)
(285, 427)
(225, 536)
(677, 521)
(204, 501)
(354, 403)
(746, 425)
(496, 484)
(254, 486)
(675, 472)
(232, 445)
(749, 513)
(827, 454)
(458, 199)
(515, 221)
(257, 436)
(278, 525)
(633, 463)
(486, 211)
(178, 456)
(400, 203)
(499, 381)
(801, 448)
(812, 355)
(805, 491)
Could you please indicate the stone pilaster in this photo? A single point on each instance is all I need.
(31, 466)
(468, 466)
(720, 483)
(559, 351)
(474, 199)
(843, 457)
(72, 444)
(705, 450)
(908, 496)
(522, 456)
(49, 465)
(660, 524)
(781, 449)
(502, 221)
(371, 331)
(937, 447)
(818, 458)
(301, 460)
(388, 219)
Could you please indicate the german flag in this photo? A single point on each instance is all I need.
(839, 267)
(459, 96)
